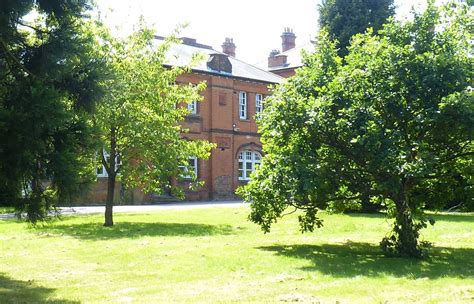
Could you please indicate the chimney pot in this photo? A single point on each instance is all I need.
(288, 39)
(273, 53)
(228, 47)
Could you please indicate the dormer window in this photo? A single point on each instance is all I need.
(219, 63)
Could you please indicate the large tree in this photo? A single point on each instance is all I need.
(396, 121)
(345, 18)
(139, 118)
(48, 86)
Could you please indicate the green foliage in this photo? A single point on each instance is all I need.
(345, 18)
(49, 75)
(139, 118)
(395, 123)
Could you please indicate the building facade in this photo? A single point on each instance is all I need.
(226, 116)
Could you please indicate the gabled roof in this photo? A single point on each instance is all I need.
(181, 55)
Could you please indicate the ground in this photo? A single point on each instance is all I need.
(213, 254)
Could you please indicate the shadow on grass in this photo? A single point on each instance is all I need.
(456, 217)
(95, 231)
(364, 259)
(14, 291)
(452, 217)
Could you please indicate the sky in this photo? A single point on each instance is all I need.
(255, 25)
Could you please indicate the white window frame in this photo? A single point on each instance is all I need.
(243, 105)
(248, 162)
(193, 164)
(258, 103)
(118, 163)
(192, 107)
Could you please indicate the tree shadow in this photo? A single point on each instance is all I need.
(452, 217)
(455, 217)
(95, 231)
(364, 259)
(15, 291)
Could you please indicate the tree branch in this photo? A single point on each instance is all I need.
(458, 155)
(343, 198)
(291, 212)
(32, 27)
(14, 59)
(104, 161)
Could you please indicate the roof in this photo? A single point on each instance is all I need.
(294, 58)
(181, 55)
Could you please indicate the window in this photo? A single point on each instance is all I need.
(258, 103)
(243, 105)
(193, 167)
(101, 172)
(248, 162)
(192, 107)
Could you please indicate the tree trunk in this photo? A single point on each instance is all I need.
(407, 244)
(110, 167)
(109, 204)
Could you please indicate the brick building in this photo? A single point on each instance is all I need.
(226, 116)
(285, 62)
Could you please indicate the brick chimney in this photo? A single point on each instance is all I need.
(228, 47)
(287, 39)
(275, 59)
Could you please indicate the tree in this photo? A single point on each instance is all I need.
(139, 118)
(48, 87)
(396, 121)
(345, 18)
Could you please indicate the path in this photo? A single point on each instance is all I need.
(141, 208)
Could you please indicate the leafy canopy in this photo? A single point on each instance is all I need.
(49, 73)
(345, 18)
(396, 121)
(139, 117)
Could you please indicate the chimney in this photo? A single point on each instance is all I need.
(275, 59)
(287, 39)
(228, 47)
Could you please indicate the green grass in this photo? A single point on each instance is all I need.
(216, 255)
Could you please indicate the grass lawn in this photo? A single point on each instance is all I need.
(216, 255)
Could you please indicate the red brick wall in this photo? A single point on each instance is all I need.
(217, 114)
(97, 194)
(277, 61)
